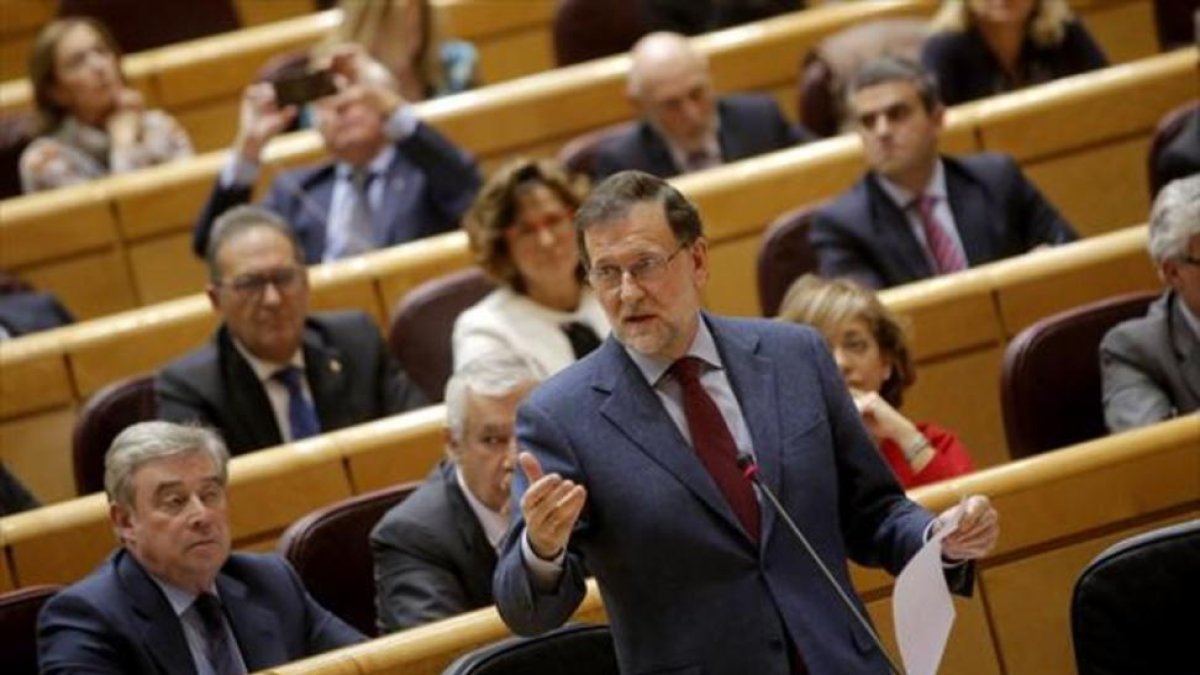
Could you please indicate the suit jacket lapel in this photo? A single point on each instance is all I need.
(973, 216)
(255, 628)
(387, 227)
(1184, 347)
(470, 531)
(247, 406)
(633, 407)
(753, 380)
(658, 156)
(895, 234)
(326, 378)
(161, 629)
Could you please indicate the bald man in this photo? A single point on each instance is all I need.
(684, 126)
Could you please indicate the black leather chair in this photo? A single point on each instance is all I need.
(137, 25)
(1050, 392)
(18, 627)
(578, 649)
(1134, 605)
(578, 156)
(423, 321)
(784, 256)
(330, 550)
(1175, 147)
(107, 413)
(587, 29)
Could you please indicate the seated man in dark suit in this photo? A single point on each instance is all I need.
(173, 599)
(435, 551)
(393, 178)
(273, 373)
(685, 127)
(1151, 366)
(918, 214)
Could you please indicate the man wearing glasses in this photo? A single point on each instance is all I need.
(630, 463)
(273, 373)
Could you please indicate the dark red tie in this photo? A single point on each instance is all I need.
(714, 444)
(945, 253)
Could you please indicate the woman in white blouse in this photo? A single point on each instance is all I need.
(521, 234)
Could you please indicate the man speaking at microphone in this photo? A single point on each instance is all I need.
(630, 462)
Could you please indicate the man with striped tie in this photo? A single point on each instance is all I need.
(917, 213)
(275, 373)
(173, 598)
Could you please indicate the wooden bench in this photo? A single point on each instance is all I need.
(1057, 511)
(269, 490)
(200, 81)
(736, 201)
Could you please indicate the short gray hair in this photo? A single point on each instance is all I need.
(494, 374)
(241, 219)
(1175, 219)
(149, 441)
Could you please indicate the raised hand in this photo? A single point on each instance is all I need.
(260, 119)
(551, 506)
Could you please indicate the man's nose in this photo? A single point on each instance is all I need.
(629, 289)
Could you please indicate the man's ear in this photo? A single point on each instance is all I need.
(214, 296)
(122, 521)
(938, 116)
(452, 446)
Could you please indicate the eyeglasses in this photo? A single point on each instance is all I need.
(1189, 260)
(647, 269)
(252, 285)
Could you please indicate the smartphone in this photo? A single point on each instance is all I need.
(300, 89)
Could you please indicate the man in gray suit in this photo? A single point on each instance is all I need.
(435, 551)
(630, 465)
(1151, 365)
(274, 373)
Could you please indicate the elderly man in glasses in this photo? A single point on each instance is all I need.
(274, 373)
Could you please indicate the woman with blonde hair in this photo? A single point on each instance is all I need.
(521, 233)
(985, 47)
(92, 122)
(871, 350)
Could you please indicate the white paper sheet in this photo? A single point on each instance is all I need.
(922, 607)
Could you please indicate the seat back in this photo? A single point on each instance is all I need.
(578, 156)
(586, 29)
(1130, 605)
(579, 649)
(1175, 146)
(17, 131)
(107, 413)
(1050, 393)
(137, 28)
(825, 70)
(423, 322)
(329, 549)
(18, 627)
(784, 256)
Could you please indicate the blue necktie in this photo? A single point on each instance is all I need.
(301, 415)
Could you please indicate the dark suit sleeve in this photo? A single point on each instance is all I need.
(397, 392)
(942, 57)
(73, 637)
(451, 174)
(178, 401)
(14, 497)
(525, 608)
(1080, 51)
(1040, 222)
(414, 581)
(838, 254)
(220, 200)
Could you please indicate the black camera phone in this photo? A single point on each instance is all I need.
(300, 89)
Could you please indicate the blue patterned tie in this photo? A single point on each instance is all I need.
(217, 647)
(301, 415)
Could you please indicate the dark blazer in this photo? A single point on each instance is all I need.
(966, 69)
(430, 185)
(118, 620)
(352, 377)
(432, 557)
(684, 586)
(14, 497)
(1150, 367)
(28, 312)
(751, 124)
(997, 211)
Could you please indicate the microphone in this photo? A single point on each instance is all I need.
(750, 470)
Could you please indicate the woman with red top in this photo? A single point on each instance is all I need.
(869, 347)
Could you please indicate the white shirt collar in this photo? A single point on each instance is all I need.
(264, 370)
(703, 347)
(903, 197)
(181, 600)
(494, 523)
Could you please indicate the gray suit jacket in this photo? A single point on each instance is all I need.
(684, 586)
(1150, 367)
(352, 377)
(432, 558)
(118, 620)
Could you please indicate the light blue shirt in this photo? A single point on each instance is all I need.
(193, 627)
